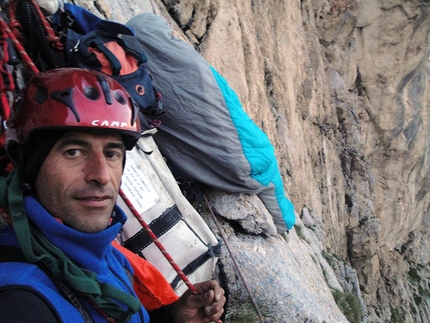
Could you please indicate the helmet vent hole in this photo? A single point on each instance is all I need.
(91, 93)
(119, 97)
(41, 95)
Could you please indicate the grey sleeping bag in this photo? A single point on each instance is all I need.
(204, 131)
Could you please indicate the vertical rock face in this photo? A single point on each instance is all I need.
(339, 85)
(342, 89)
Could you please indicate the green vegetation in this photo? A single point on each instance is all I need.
(331, 257)
(396, 316)
(300, 233)
(324, 272)
(349, 304)
(414, 276)
(424, 292)
(241, 311)
(244, 311)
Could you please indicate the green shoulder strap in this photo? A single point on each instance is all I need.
(39, 250)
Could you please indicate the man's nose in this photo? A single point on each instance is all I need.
(97, 169)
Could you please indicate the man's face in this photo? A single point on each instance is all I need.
(80, 178)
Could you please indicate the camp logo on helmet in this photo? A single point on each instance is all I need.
(140, 89)
(106, 123)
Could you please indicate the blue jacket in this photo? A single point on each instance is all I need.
(91, 251)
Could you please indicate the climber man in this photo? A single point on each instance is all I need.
(67, 137)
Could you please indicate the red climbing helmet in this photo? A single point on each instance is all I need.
(74, 98)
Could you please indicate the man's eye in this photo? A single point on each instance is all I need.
(73, 152)
(113, 154)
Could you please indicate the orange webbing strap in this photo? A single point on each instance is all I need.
(152, 289)
(128, 62)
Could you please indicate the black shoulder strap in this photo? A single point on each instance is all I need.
(11, 254)
(14, 254)
(27, 304)
(114, 63)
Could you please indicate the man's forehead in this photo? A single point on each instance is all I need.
(92, 135)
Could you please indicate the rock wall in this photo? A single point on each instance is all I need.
(341, 87)
(342, 90)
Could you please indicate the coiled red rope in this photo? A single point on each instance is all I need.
(52, 38)
(26, 60)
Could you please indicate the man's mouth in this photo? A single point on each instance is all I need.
(95, 201)
(94, 198)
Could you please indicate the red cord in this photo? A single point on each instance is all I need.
(27, 61)
(52, 38)
(160, 245)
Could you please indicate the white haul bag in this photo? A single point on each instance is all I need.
(151, 188)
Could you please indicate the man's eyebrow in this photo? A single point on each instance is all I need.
(73, 142)
(84, 143)
(116, 145)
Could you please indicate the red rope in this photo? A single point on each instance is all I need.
(9, 84)
(16, 30)
(159, 245)
(6, 85)
(27, 61)
(52, 38)
(15, 25)
(157, 242)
